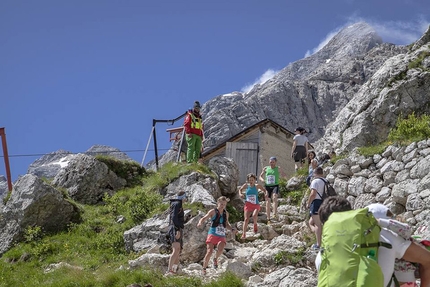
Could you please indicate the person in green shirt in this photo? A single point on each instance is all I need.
(270, 176)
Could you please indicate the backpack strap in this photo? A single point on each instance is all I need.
(324, 187)
(396, 282)
(377, 244)
(217, 219)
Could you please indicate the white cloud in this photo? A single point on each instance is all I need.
(261, 80)
(396, 32)
(323, 42)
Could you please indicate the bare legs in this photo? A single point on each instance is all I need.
(209, 250)
(174, 257)
(269, 205)
(317, 227)
(246, 222)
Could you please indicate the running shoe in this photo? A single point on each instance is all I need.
(215, 263)
(315, 247)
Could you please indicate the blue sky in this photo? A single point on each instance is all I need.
(78, 73)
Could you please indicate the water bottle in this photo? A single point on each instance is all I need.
(372, 254)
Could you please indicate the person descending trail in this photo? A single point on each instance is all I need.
(271, 175)
(252, 205)
(216, 233)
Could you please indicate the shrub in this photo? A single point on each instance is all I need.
(410, 129)
(372, 150)
(131, 171)
(417, 63)
(284, 257)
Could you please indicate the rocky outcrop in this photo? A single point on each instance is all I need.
(87, 179)
(395, 89)
(108, 151)
(34, 203)
(398, 178)
(310, 92)
(227, 173)
(3, 186)
(49, 165)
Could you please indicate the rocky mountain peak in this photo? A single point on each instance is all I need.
(309, 92)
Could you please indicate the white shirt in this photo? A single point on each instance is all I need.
(301, 140)
(385, 256)
(319, 185)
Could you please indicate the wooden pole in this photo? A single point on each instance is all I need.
(6, 158)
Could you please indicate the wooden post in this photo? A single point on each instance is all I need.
(6, 159)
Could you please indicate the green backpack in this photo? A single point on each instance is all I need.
(349, 253)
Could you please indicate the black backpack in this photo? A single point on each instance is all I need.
(217, 219)
(328, 190)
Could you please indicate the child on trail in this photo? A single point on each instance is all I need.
(252, 205)
(216, 234)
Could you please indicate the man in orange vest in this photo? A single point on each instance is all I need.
(194, 133)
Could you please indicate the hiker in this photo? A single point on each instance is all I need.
(194, 133)
(252, 205)
(400, 247)
(314, 201)
(403, 270)
(216, 233)
(312, 163)
(323, 159)
(299, 150)
(176, 230)
(270, 176)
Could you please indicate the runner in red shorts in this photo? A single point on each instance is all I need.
(216, 234)
(252, 205)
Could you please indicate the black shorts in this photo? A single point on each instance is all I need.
(299, 153)
(272, 189)
(315, 205)
(172, 235)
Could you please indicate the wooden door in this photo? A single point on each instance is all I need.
(245, 155)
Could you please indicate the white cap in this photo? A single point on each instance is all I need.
(378, 210)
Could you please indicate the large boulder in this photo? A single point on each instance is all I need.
(228, 174)
(34, 203)
(199, 188)
(49, 165)
(87, 179)
(108, 151)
